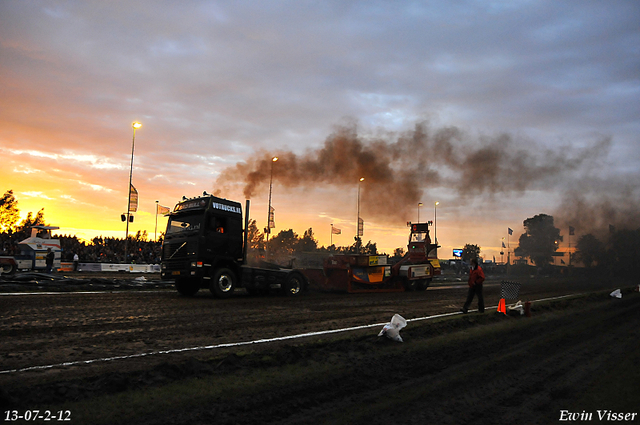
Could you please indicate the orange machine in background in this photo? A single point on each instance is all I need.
(355, 273)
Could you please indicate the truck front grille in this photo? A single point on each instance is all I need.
(175, 251)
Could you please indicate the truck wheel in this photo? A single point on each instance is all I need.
(186, 287)
(223, 283)
(8, 269)
(294, 285)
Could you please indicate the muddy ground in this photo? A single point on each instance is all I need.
(575, 354)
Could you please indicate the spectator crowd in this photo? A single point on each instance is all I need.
(99, 249)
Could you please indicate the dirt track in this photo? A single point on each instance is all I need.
(448, 371)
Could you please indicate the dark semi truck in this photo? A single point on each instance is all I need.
(205, 246)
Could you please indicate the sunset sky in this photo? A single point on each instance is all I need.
(499, 110)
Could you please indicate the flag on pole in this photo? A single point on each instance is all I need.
(572, 231)
(510, 230)
(163, 210)
(336, 231)
(360, 226)
(133, 203)
(272, 221)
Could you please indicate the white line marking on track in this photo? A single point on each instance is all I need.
(238, 344)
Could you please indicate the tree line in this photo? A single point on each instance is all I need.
(289, 243)
(538, 243)
(615, 255)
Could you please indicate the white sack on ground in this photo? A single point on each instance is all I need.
(392, 329)
(517, 307)
(616, 294)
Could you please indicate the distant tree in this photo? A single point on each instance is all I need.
(23, 230)
(284, 242)
(307, 243)
(255, 238)
(589, 250)
(624, 250)
(331, 249)
(470, 252)
(141, 236)
(356, 248)
(370, 248)
(539, 240)
(9, 213)
(398, 254)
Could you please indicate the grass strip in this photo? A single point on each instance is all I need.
(133, 405)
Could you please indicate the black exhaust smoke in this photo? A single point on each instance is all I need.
(399, 167)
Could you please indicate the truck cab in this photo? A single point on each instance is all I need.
(420, 264)
(202, 234)
(205, 247)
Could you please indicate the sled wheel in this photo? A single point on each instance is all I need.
(8, 269)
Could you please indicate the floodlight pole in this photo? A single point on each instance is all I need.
(358, 218)
(268, 228)
(135, 126)
(155, 234)
(435, 224)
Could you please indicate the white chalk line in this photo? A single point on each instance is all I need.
(239, 344)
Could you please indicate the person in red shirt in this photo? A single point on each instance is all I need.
(476, 278)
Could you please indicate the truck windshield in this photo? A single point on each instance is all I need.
(418, 237)
(184, 224)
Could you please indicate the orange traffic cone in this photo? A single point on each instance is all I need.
(502, 307)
